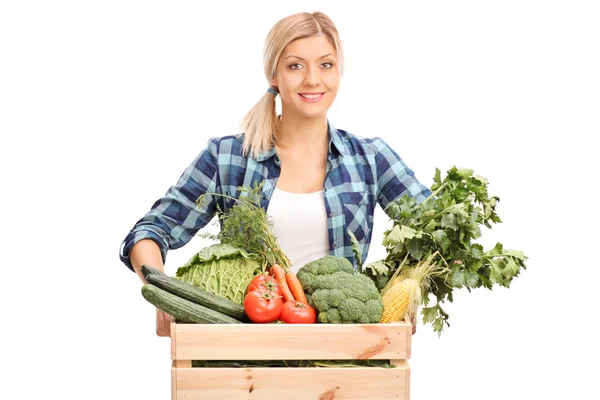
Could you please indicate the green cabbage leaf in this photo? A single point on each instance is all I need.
(221, 269)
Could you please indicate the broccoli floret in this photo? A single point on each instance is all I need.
(334, 297)
(374, 307)
(328, 265)
(320, 299)
(323, 266)
(330, 317)
(338, 293)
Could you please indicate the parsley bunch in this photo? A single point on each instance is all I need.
(447, 222)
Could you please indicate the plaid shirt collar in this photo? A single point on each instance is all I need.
(334, 138)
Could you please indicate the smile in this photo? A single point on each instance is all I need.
(311, 97)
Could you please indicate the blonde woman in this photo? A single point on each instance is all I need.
(319, 181)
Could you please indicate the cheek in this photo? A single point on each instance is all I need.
(290, 82)
(333, 85)
(332, 81)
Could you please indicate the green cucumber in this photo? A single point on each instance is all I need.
(148, 270)
(198, 295)
(183, 310)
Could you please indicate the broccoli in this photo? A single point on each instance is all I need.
(339, 294)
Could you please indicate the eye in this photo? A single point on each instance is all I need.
(327, 64)
(295, 66)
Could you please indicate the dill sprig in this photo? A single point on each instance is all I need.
(246, 225)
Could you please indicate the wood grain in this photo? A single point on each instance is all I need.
(290, 341)
(294, 383)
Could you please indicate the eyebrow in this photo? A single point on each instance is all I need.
(300, 58)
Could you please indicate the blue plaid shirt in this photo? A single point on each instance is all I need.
(361, 172)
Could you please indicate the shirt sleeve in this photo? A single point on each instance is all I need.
(394, 177)
(175, 218)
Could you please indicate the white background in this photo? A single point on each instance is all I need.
(103, 105)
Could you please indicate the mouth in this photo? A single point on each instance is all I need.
(311, 97)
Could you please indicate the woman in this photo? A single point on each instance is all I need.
(319, 182)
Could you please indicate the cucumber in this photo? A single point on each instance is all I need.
(183, 310)
(199, 296)
(148, 270)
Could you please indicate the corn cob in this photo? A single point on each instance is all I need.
(396, 300)
(403, 295)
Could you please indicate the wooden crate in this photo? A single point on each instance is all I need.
(290, 342)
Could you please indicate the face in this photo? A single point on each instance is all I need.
(307, 77)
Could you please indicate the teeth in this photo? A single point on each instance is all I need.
(311, 96)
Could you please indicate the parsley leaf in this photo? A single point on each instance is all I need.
(448, 222)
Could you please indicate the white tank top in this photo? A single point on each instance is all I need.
(300, 225)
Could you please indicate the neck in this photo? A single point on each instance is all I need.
(301, 131)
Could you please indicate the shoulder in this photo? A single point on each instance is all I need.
(360, 145)
(228, 144)
(218, 151)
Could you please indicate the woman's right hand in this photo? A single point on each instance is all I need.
(163, 323)
(146, 251)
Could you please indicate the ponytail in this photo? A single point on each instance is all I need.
(260, 126)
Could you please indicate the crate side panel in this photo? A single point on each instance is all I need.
(173, 381)
(291, 341)
(293, 383)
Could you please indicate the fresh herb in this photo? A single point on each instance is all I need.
(448, 222)
(247, 226)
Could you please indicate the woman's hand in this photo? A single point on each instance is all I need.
(146, 251)
(163, 323)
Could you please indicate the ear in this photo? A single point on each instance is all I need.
(274, 81)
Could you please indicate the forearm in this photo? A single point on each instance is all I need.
(146, 251)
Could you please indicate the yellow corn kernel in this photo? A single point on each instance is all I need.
(397, 299)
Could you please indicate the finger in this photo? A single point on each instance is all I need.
(162, 323)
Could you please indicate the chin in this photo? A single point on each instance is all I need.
(314, 115)
(316, 112)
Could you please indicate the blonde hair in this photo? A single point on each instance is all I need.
(261, 124)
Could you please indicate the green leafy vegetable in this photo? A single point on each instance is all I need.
(448, 222)
(356, 249)
(221, 269)
(247, 226)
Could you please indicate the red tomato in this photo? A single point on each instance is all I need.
(262, 306)
(265, 282)
(295, 312)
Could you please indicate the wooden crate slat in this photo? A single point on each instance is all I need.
(173, 380)
(290, 341)
(404, 364)
(293, 383)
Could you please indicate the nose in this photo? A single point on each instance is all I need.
(311, 76)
